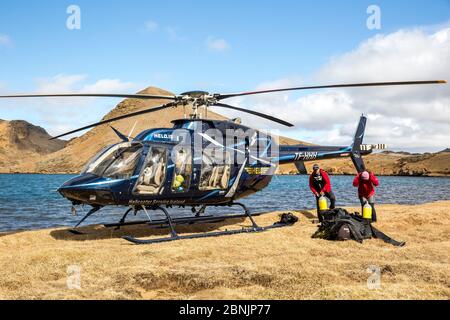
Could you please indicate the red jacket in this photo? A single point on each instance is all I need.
(366, 188)
(326, 182)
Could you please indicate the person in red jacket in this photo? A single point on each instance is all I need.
(366, 183)
(320, 185)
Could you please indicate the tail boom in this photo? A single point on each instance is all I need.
(298, 154)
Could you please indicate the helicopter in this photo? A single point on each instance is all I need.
(198, 163)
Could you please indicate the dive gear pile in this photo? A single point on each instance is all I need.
(339, 224)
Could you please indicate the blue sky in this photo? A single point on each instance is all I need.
(267, 39)
(184, 45)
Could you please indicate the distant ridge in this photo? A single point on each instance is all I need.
(21, 141)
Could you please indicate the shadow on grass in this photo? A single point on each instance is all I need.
(99, 232)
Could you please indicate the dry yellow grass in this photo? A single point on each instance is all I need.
(279, 264)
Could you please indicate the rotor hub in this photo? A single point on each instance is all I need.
(196, 99)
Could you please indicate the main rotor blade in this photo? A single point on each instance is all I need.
(129, 115)
(102, 95)
(262, 115)
(348, 85)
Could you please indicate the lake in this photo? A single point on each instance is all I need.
(31, 201)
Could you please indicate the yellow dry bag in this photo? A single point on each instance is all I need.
(323, 203)
(176, 184)
(367, 211)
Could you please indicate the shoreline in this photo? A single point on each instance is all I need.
(313, 210)
(279, 174)
(281, 263)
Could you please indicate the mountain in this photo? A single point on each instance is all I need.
(21, 141)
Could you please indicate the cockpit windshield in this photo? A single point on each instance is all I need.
(117, 162)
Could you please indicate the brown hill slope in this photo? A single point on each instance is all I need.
(20, 140)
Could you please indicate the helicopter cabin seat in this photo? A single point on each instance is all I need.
(218, 179)
(214, 176)
(152, 179)
(225, 177)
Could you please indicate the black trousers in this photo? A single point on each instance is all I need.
(331, 197)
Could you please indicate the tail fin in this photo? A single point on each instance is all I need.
(357, 160)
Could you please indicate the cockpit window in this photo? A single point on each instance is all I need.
(124, 163)
(89, 167)
(117, 162)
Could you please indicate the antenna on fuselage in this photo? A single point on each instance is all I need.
(132, 129)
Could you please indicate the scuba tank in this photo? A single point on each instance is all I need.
(323, 204)
(367, 211)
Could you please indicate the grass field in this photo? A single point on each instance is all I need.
(278, 264)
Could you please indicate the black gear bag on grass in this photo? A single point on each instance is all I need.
(337, 223)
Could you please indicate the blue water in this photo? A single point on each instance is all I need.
(31, 201)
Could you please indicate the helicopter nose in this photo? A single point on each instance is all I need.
(83, 189)
(78, 181)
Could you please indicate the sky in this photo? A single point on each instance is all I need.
(231, 46)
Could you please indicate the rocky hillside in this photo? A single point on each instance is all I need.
(21, 141)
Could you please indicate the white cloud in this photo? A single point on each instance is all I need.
(151, 26)
(61, 83)
(108, 86)
(78, 83)
(217, 44)
(5, 40)
(408, 118)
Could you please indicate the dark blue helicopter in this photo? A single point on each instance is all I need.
(196, 163)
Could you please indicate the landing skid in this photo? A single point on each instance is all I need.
(192, 236)
(170, 222)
